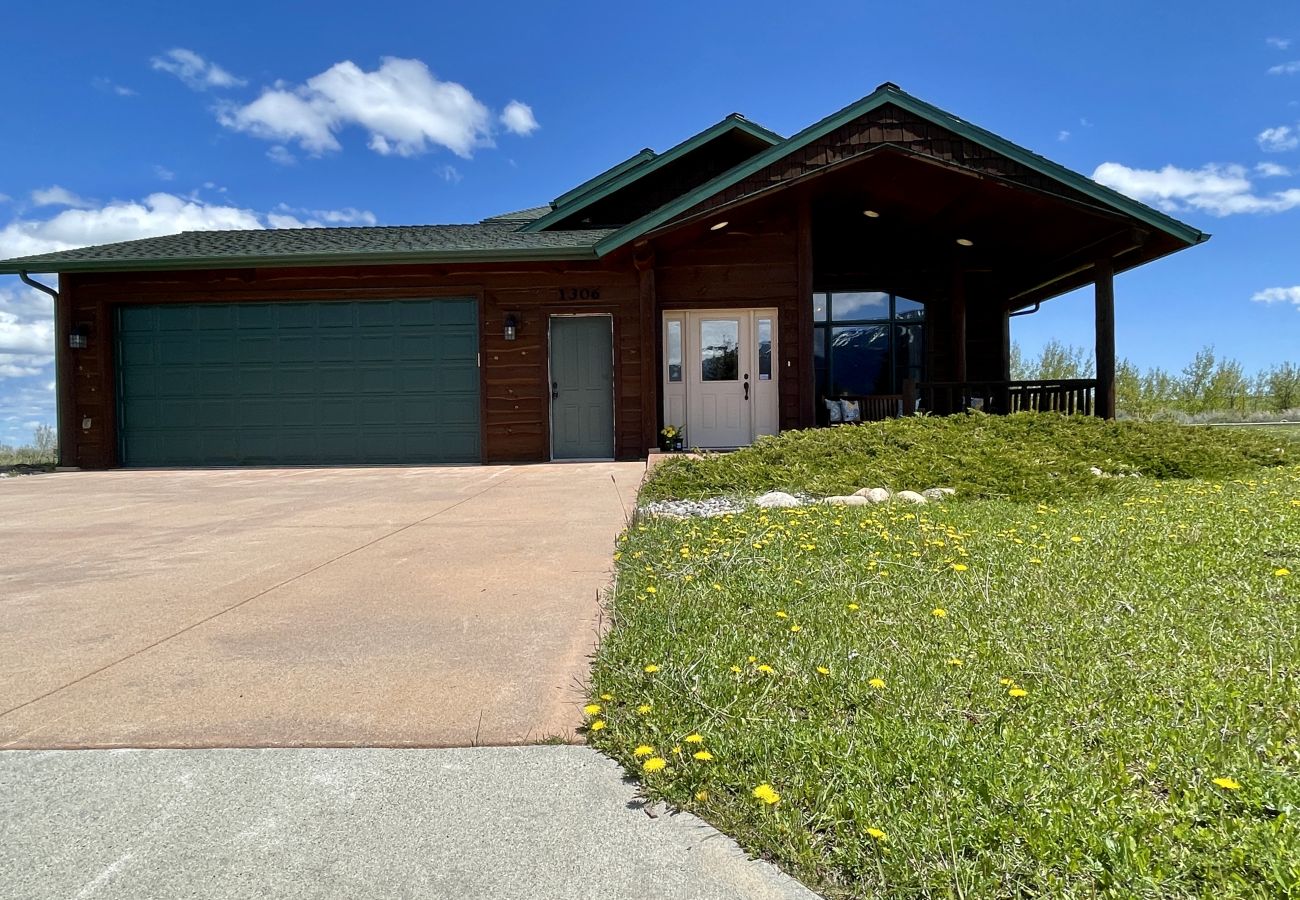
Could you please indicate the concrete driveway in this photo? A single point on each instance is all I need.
(293, 607)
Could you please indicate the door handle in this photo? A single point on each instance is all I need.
(746, 387)
(555, 390)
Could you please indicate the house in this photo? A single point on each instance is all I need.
(729, 285)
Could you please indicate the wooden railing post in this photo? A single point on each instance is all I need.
(1105, 308)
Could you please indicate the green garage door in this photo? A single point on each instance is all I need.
(325, 383)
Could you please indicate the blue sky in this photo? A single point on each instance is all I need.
(346, 113)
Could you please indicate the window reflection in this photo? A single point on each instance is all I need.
(859, 360)
(719, 350)
(673, 352)
(852, 306)
(866, 342)
(764, 349)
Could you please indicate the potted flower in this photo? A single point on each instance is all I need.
(673, 438)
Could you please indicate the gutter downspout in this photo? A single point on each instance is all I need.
(60, 352)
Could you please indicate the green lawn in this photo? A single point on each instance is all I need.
(980, 699)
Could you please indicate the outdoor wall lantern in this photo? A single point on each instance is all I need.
(512, 327)
(79, 337)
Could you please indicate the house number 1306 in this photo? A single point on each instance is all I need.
(579, 293)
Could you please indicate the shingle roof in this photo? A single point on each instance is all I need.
(517, 217)
(316, 246)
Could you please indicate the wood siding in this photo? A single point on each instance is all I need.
(887, 124)
(757, 269)
(514, 374)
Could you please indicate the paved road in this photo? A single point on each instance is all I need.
(437, 606)
(504, 823)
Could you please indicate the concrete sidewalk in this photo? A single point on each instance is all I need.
(500, 823)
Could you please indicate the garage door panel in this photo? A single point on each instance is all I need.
(299, 383)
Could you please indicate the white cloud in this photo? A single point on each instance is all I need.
(518, 118)
(1063, 135)
(1279, 139)
(108, 86)
(58, 196)
(195, 71)
(286, 216)
(1214, 189)
(1279, 295)
(1271, 170)
(5, 198)
(1287, 68)
(1278, 43)
(450, 174)
(405, 109)
(163, 173)
(281, 155)
(26, 334)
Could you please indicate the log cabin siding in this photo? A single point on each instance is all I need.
(514, 375)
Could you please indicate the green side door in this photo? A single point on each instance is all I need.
(291, 383)
(582, 387)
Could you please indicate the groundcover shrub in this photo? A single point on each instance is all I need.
(1028, 456)
(1093, 694)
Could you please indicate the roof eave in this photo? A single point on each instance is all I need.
(37, 266)
(891, 94)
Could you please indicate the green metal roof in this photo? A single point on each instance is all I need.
(580, 199)
(627, 165)
(316, 247)
(891, 93)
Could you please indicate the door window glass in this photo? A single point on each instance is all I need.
(719, 350)
(673, 351)
(764, 349)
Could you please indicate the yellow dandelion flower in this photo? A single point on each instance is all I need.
(703, 755)
(877, 834)
(651, 590)
(694, 739)
(643, 750)
(959, 567)
(853, 607)
(938, 612)
(701, 796)
(677, 749)
(1036, 561)
(736, 669)
(591, 709)
(654, 764)
(753, 659)
(1004, 681)
(782, 614)
(597, 725)
(1018, 692)
(607, 697)
(822, 670)
(766, 669)
(767, 794)
(651, 669)
(1282, 572)
(956, 661)
(644, 708)
(877, 683)
(1228, 784)
(1076, 539)
(796, 628)
(716, 586)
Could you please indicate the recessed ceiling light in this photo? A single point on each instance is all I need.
(718, 226)
(871, 214)
(966, 242)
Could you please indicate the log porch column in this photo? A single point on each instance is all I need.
(644, 261)
(957, 324)
(804, 287)
(1104, 288)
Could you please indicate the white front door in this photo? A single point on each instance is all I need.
(720, 375)
(718, 390)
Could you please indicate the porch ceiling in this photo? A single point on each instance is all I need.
(1026, 245)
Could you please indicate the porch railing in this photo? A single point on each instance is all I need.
(1073, 395)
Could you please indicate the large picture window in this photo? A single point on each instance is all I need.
(866, 342)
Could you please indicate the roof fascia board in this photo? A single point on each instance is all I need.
(591, 184)
(15, 266)
(872, 101)
(606, 188)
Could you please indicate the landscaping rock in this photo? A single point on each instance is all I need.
(777, 500)
(938, 495)
(910, 497)
(873, 495)
(852, 500)
(689, 509)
